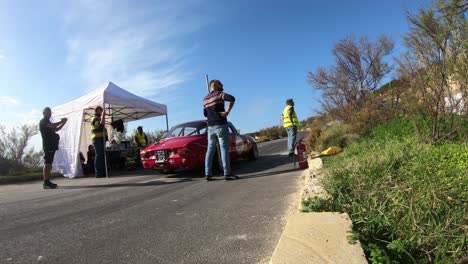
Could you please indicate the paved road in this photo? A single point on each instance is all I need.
(151, 218)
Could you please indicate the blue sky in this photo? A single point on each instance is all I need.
(54, 51)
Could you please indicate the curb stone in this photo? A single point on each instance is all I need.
(312, 178)
(317, 237)
(24, 178)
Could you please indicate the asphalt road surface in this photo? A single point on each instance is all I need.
(146, 217)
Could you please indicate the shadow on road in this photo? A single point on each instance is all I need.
(129, 184)
(245, 169)
(243, 177)
(241, 168)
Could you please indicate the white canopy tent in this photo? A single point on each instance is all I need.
(75, 136)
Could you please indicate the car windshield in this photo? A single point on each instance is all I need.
(187, 129)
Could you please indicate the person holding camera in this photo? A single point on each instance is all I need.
(50, 142)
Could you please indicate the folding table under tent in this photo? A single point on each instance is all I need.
(75, 136)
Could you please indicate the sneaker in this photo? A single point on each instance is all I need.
(231, 177)
(49, 185)
(208, 178)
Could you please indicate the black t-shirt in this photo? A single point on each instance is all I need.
(213, 104)
(50, 139)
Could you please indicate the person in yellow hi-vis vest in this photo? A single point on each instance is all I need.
(141, 140)
(290, 123)
(99, 136)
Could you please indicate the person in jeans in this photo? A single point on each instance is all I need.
(98, 135)
(218, 130)
(50, 142)
(290, 123)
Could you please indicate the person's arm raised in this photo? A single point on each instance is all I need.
(57, 125)
(62, 123)
(103, 118)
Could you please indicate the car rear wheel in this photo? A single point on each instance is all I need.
(253, 154)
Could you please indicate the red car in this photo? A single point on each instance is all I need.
(184, 146)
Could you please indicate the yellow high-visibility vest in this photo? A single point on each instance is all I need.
(96, 131)
(286, 120)
(141, 138)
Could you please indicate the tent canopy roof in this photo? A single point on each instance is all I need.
(119, 103)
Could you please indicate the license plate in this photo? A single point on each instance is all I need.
(160, 155)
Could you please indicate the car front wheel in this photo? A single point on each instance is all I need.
(253, 154)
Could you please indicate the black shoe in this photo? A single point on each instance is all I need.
(231, 177)
(208, 178)
(100, 176)
(291, 154)
(49, 185)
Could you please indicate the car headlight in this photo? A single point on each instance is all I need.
(179, 151)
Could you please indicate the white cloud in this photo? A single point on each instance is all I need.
(137, 47)
(7, 101)
(15, 114)
(31, 117)
(15, 117)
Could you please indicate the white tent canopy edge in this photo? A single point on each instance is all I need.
(75, 136)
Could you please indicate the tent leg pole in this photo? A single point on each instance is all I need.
(104, 141)
(167, 124)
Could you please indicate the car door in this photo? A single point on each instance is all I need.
(236, 144)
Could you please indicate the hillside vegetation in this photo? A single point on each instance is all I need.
(403, 175)
(407, 199)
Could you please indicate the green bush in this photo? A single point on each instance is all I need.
(336, 135)
(407, 200)
(6, 165)
(398, 128)
(271, 133)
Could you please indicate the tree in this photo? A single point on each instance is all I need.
(33, 159)
(347, 87)
(153, 137)
(5, 166)
(13, 144)
(435, 68)
(2, 144)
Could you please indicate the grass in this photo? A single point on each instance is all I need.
(407, 200)
(24, 171)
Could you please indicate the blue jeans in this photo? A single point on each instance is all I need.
(218, 134)
(292, 133)
(99, 161)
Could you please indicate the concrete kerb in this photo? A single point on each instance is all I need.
(312, 177)
(317, 237)
(24, 178)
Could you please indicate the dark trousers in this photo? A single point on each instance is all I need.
(99, 161)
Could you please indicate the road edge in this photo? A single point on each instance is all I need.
(316, 237)
(24, 178)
